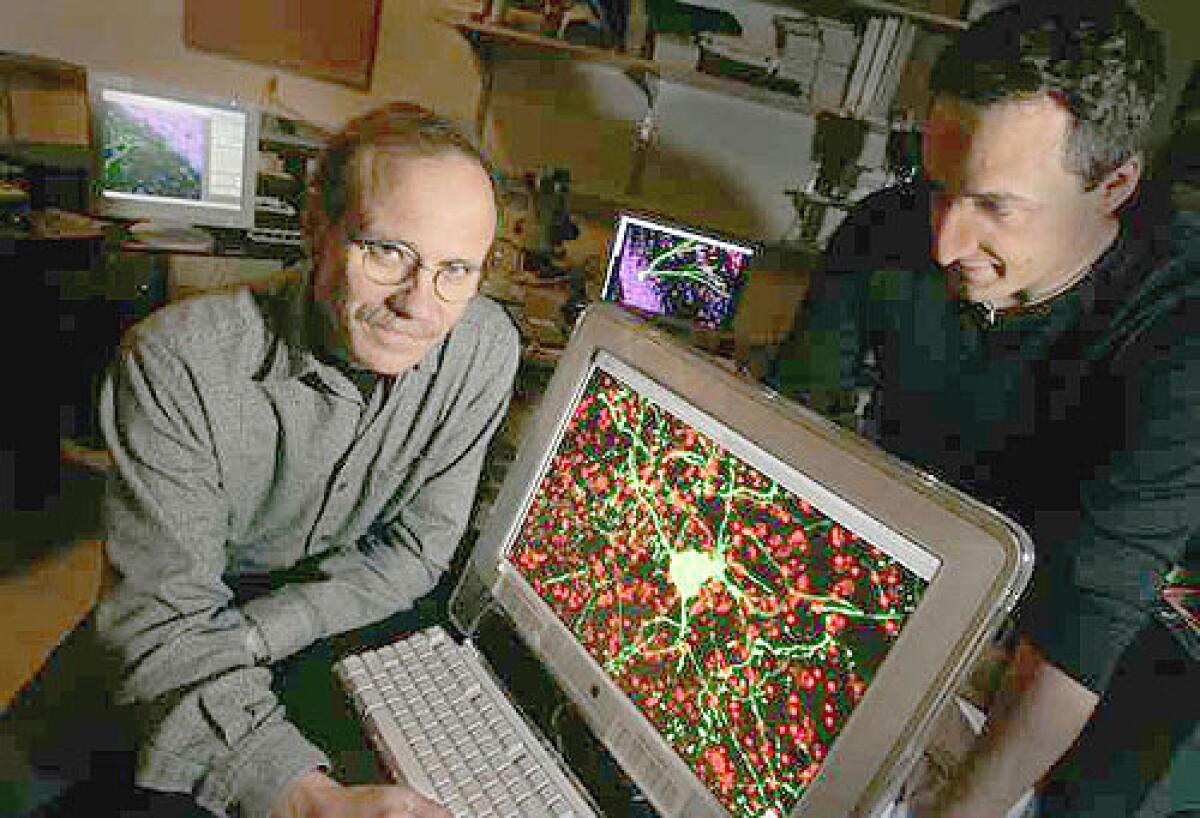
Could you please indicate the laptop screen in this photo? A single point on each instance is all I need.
(663, 271)
(742, 608)
(754, 611)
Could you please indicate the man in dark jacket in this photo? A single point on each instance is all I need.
(1020, 324)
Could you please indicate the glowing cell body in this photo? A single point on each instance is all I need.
(689, 570)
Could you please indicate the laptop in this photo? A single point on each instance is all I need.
(675, 274)
(755, 612)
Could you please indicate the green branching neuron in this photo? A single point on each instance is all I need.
(701, 275)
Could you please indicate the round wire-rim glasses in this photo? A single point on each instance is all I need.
(391, 262)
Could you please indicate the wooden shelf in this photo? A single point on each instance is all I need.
(289, 142)
(56, 70)
(640, 67)
(494, 33)
(290, 132)
(952, 24)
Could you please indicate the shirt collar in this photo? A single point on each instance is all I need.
(1109, 278)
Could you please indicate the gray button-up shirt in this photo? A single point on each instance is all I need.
(238, 452)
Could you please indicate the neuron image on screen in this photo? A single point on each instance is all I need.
(665, 271)
(741, 620)
(163, 149)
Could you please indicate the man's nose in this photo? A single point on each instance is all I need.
(954, 234)
(416, 294)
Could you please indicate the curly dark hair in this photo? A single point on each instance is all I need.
(355, 162)
(1098, 58)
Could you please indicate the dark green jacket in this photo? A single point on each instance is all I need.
(1080, 419)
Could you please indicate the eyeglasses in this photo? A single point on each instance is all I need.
(391, 262)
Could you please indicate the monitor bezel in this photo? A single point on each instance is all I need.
(646, 220)
(171, 212)
(985, 562)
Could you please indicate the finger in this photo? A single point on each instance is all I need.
(418, 806)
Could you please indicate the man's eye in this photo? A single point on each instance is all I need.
(457, 270)
(388, 255)
(998, 210)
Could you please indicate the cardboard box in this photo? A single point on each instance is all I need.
(50, 116)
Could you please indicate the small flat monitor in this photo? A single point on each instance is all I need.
(171, 157)
(675, 274)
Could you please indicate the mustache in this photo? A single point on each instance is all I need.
(377, 315)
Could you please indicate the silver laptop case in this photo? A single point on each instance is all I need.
(756, 612)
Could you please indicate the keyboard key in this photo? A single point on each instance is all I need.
(353, 665)
(533, 809)
(401, 758)
(368, 700)
(374, 663)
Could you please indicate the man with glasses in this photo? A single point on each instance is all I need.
(293, 466)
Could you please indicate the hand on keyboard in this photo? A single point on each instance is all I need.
(316, 795)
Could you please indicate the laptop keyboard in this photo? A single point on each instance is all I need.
(444, 727)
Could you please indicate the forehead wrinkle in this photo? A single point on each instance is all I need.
(987, 150)
(376, 169)
(400, 209)
(1004, 197)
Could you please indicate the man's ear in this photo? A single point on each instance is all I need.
(312, 220)
(1120, 184)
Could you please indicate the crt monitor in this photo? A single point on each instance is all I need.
(756, 612)
(171, 157)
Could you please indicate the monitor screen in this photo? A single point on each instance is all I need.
(754, 611)
(664, 271)
(172, 157)
(739, 605)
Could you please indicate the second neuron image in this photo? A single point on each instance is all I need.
(672, 274)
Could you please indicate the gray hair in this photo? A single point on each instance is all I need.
(354, 163)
